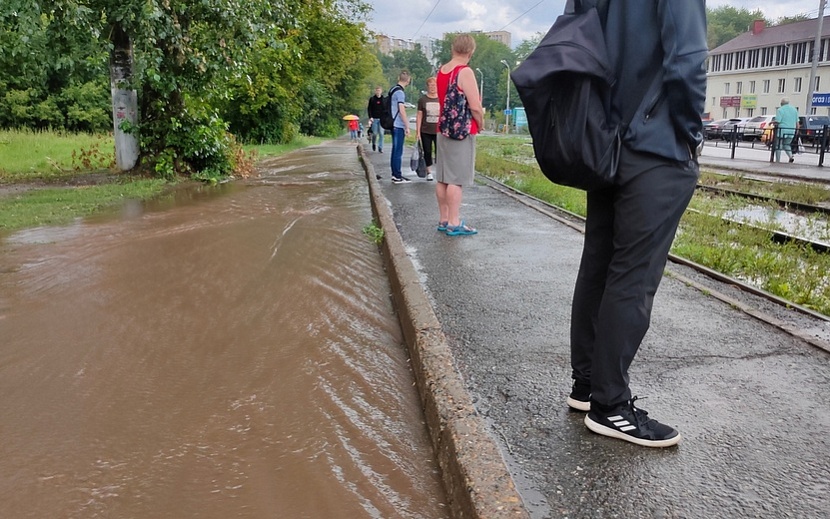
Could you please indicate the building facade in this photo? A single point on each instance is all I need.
(748, 75)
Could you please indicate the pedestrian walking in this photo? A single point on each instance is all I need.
(787, 117)
(455, 166)
(657, 51)
(375, 110)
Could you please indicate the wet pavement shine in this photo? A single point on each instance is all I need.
(221, 352)
(751, 401)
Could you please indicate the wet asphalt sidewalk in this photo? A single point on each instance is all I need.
(751, 401)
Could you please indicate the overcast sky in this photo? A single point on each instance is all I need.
(410, 19)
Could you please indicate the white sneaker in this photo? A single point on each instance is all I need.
(429, 176)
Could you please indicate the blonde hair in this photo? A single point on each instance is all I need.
(464, 44)
(431, 80)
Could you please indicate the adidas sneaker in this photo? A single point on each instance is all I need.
(580, 397)
(626, 422)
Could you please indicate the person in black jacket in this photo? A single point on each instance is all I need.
(375, 110)
(657, 49)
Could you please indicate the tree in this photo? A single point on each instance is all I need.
(726, 22)
(269, 68)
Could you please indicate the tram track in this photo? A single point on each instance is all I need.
(576, 222)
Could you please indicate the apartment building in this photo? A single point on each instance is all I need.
(748, 75)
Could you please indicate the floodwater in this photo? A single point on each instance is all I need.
(225, 352)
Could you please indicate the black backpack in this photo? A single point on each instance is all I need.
(387, 121)
(565, 86)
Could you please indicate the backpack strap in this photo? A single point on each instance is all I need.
(392, 91)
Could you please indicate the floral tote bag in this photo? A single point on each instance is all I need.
(456, 119)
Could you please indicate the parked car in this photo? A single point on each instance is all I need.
(734, 124)
(810, 127)
(754, 128)
(713, 129)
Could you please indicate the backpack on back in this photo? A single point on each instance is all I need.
(387, 120)
(565, 86)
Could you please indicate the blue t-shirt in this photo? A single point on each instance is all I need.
(398, 97)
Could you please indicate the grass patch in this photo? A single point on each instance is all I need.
(49, 155)
(802, 192)
(62, 205)
(516, 173)
(67, 160)
(272, 150)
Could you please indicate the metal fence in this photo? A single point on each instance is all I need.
(806, 139)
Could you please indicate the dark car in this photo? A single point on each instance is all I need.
(713, 129)
(735, 124)
(810, 127)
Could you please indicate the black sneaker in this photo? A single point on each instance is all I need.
(580, 398)
(628, 423)
(373, 147)
(400, 180)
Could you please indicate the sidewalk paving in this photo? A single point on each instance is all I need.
(751, 401)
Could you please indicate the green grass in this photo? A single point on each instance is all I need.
(48, 155)
(272, 150)
(52, 158)
(56, 206)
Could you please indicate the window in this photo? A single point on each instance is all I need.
(753, 58)
(716, 61)
(726, 88)
(749, 112)
(725, 116)
(752, 87)
(818, 83)
(799, 53)
(727, 61)
(740, 60)
(782, 84)
(766, 86)
(767, 56)
(781, 54)
(738, 87)
(764, 110)
(797, 85)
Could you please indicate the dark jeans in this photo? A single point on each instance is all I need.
(628, 233)
(429, 141)
(398, 136)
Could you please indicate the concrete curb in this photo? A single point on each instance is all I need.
(476, 479)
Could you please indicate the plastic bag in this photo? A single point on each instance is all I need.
(416, 156)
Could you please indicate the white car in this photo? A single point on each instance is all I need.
(412, 121)
(754, 128)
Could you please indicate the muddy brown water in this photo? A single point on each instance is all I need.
(224, 352)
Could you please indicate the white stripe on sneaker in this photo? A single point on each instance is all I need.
(621, 423)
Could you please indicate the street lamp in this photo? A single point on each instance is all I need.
(507, 108)
(481, 88)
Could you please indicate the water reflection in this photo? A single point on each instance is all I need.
(222, 352)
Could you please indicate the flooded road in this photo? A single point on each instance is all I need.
(225, 352)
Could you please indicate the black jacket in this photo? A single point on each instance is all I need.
(375, 108)
(657, 49)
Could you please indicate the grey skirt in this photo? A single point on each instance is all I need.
(455, 161)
